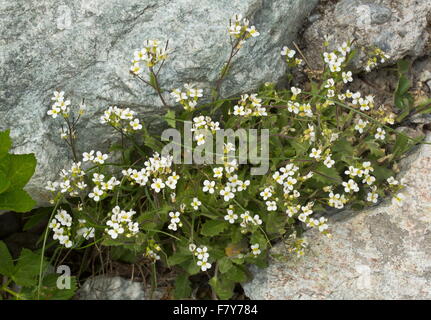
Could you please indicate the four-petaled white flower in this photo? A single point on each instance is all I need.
(196, 203)
(380, 134)
(255, 249)
(208, 186)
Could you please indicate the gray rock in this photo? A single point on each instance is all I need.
(400, 28)
(381, 253)
(85, 47)
(111, 288)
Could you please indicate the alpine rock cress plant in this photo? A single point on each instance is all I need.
(329, 147)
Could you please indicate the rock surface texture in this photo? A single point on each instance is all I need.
(399, 27)
(381, 253)
(111, 288)
(85, 47)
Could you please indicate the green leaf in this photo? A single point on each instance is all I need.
(213, 227)
(343, 146)
(4, 182)
(170, 118)
(401, 146)
(179, 257)
(237, 274)
(225, 264)
(191, 266)
(375, 148)
(6, 263)
(403, 66)
(21, 169)
(5, 142)
(222, 287)
(123, 255)
(382, 173)
(18, 201)
(326, 175)
(299, 147)
(182, 287)
(403, 85)
(27, 269)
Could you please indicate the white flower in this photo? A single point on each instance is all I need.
(398, 199)
(96, 194)
(372, 197)
(271, 205)
(369, 180)
(218, 172)
(208, 186)
(58, 96)
(54, 112)
(295, 91)
(51, 186)
(253, 32)
(265, 194)
(255, 249)
(380, 134)
(135, 124)
(231, 217)
(315, 153)
(360, 125)
(347, 77)
(227, 193)
(100, 157)
(392, 181)
(328, 161)
(202, 253)
(242, 185)
(196, 203)
(256, 220)
(88, 156)
(288, 52)
(204, 265)
(157, 185)
(351, 185)
(175, 216)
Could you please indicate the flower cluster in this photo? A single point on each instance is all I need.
(159, 169)
(72, 181)
(249, 105)
(395, 186)
(335, 59)
(240, 28)
(377, 56)
(189, 98)
(289, 55)
(94, 157)
(296, 244)
(121, 119)
(202, 127)
(120, 223)
(102, 187)
(175, 221)
(62, 227)
(60, 106)
(202, 254)
(151, 54)
(152, 250)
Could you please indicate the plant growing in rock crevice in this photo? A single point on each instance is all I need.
(328, 147)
